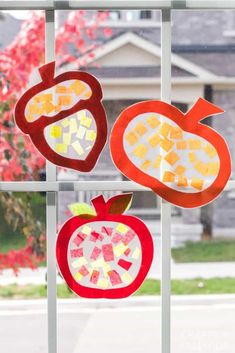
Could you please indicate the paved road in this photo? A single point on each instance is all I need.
(199, 328)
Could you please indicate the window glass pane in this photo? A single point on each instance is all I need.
(23, 319)
(205, 41)
(20, 54)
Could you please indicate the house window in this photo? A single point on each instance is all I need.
(145, 14)
(113, 15)
(136, 15)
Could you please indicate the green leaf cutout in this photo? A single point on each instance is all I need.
(120, 203)
(78, 209)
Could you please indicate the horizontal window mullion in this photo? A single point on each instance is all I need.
(45, 186)
(116, 4)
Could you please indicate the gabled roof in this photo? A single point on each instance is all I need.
(9, 27)
(142, 47)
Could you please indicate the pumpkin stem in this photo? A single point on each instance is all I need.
(47, 71)
(201, 110)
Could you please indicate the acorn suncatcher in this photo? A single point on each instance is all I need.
(64, 117)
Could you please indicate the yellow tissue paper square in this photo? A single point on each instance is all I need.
(166, 144)
(78, 87)
(65, 122)
(213, 168)
(41, 98)
(153, 121)
(72, 126)
(194, 144)
(157, 161)
(65, 100)
(81, 132)
(201, 168)
(165, 129)
(121, 228)
(154, 140)
(81, 114)
(98, 263)
(168, 177)
(210, 151)
(136, 253)
(197, 183)
(79, 262)
(126, 278)
(145, 165)
(131, 138)
(140, 151)
(62, 89)
(119, 249)
(34, 109)
(61, 148)
(86, 121)
(87, 94)
(192, 157)
(86, 230)
(90, 135)
(172, 157)
(140, 129)
(48, 107)
(56, 131)
(103, 283)
(78, 148)
(106, 268)
(78, 276)
(176, 133)
(66, 138)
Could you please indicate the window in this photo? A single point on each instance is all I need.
(88, 187)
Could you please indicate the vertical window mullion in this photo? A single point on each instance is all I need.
(51, 209)
(165, 206)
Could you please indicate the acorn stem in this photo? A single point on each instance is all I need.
(47, 71)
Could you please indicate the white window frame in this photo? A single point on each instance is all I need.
(51, 186)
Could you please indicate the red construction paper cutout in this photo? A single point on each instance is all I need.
(155, 129)
(106, 269)
(81, 94)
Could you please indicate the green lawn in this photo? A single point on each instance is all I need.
(150, 287)
(207, 251)
(14, 239)
(11, 241)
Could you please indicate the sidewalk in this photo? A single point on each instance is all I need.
(178, 271)
(73, 305)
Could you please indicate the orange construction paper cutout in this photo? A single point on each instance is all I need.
(182, 160)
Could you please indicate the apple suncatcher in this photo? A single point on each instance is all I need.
(104, 253)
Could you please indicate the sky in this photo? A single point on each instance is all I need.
(18, 14)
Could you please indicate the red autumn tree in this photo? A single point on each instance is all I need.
(19, 160)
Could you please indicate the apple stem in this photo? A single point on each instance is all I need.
(201, 110)
(99, 204)
(47, 71)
